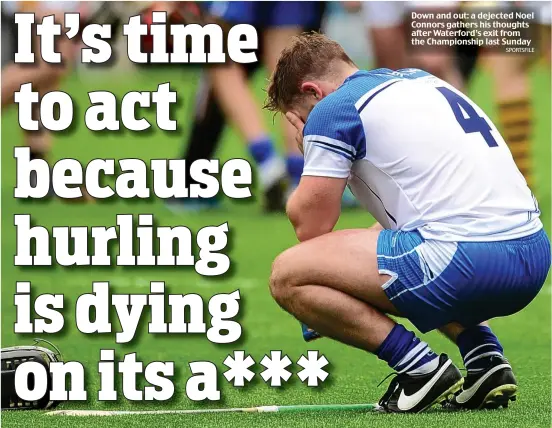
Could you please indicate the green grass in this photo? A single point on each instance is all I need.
(257, 240)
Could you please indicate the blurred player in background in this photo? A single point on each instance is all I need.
(512, 89)
(45, 77)
(227, 95)
(276, 23)
(387, 20)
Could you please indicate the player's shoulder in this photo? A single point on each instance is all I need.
(333, 111)
(339, 98)
(344, 103)
(361, 85)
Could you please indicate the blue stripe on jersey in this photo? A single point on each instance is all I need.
(363, 81)
(365, 103)
(345, 155)
(336, 116)
(349, 153)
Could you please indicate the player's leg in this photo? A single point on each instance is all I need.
(202, 142)
(275, 39)
(515, 113)
(230, 86)
(489, 381)
(385, 24)
(440, 61)
(15, 75)
(282, 21)
(546, 36)
(512, 94)
(207, 128)
(467, 58)
(48, 77)
(41, 74)
(232, 91)
(335, 285)
(505, 277)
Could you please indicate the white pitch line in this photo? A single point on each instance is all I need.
(152, 412)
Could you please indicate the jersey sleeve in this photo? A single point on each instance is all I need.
(333, 137)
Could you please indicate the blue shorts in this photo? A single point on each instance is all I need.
(268, 14)
(434, 283)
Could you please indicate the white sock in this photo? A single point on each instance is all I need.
(426, 368)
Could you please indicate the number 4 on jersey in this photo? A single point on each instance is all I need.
(473, 122)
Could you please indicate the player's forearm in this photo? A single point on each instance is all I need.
(309, 223)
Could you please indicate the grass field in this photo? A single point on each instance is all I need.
(257, 239)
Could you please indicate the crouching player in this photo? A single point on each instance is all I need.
(459, 239)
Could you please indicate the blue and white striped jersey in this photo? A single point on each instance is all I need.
(420, 155)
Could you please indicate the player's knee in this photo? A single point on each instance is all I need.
(280, 279)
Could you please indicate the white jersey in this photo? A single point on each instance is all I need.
(420, 155)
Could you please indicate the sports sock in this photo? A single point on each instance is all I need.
(261, 149)
(477, 344)
(516, 120)
(405, 353)
(294, 166)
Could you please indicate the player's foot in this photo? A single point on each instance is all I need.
(416, 393)
(489, 388)
(273, 178)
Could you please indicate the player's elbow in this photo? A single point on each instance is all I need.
(309, 226)
(312, 216)
(305, 232)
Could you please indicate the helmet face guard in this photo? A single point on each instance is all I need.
(13, 357)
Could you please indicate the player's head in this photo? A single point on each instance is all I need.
(309, 68)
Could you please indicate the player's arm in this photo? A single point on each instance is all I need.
(331, 140)
(315, 206)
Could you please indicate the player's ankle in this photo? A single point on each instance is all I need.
(261, 149)
(405, 353)
(294, 166)
(477, 345)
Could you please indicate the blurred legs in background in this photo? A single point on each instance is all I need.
(513, 90)
(386, 23)
(513, 98)
(44, 77)
(277, 22)
(227, 95)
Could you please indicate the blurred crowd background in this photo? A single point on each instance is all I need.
(375, 34)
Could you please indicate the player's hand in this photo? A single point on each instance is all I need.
(298, 124)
